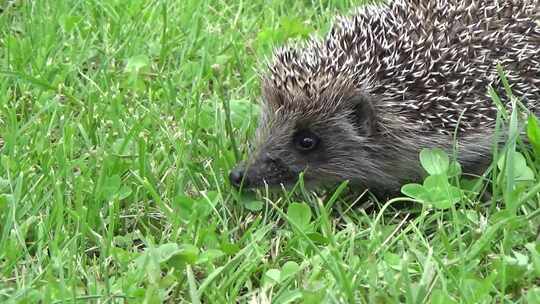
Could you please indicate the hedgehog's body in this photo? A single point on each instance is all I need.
(389, 81)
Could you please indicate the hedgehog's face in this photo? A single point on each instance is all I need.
(327, 147)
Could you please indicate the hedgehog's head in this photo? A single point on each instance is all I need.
(323, 129)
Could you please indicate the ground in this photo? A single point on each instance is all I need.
(119, 121)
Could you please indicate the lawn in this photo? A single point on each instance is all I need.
(119, 122)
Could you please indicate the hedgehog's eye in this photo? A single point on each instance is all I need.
(305, 140)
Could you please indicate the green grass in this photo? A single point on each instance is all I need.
(113, 174)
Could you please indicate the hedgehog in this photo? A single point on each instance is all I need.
(388, 80)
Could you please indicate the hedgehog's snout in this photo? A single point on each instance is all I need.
(261, 171)
(237, 176)
(246, 174)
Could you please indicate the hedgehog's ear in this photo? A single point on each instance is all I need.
(363, 115)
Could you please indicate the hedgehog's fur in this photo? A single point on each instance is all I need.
(390, 80)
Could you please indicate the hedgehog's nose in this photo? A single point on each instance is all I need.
(236, 176)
